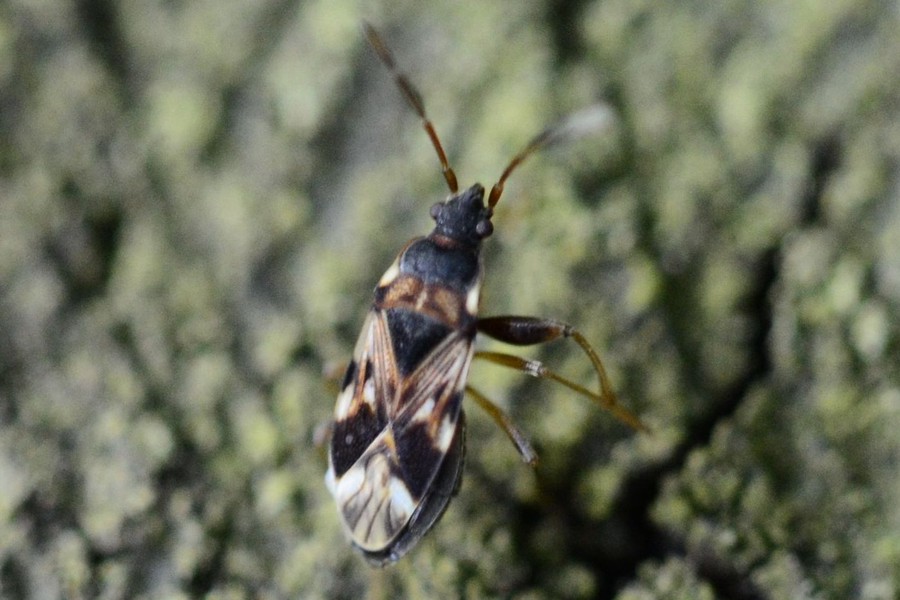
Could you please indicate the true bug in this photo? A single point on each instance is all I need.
(398, 442)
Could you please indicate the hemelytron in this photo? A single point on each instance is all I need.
(397, 443)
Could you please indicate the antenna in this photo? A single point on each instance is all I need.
(588, 120)
(413, 98)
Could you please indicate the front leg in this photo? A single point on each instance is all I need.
(527, 331)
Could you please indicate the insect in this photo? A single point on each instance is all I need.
(397, 444)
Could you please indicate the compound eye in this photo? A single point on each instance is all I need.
(435, 211)
(484, 228)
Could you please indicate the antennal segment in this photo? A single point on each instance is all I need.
(592, 119)
(413, 98)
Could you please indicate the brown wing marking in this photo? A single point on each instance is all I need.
(427, 394)
(386, 375)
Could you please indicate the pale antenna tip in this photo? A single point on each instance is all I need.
(590, 120)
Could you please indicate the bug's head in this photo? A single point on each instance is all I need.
(464, 218)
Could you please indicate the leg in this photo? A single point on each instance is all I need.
(526, 331)
(505, 423)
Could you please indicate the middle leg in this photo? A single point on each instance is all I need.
(527, 331)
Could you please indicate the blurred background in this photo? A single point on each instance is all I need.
(197, 198)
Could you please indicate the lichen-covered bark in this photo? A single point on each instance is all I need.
(197, 198)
